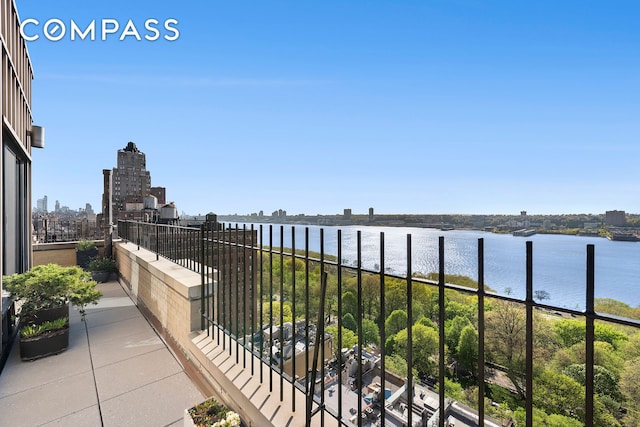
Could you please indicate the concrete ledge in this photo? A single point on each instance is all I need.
(235, 377)
(169, 297)
(62, 253)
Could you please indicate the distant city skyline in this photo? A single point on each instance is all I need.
(412, 107)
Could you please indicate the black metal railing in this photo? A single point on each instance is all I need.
(249, 280)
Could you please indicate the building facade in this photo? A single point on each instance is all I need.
(16, 75)
(130, 179)
(615, 218)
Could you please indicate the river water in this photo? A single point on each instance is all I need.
(559, 261)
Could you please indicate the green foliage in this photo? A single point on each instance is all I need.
(604, 381)
(101, 264)
(453, 329)
(396, 322)
(50, 286)
(425, 346)
(630, 388)
(452, 389)
(396, 364)
(349, 322)
(617, 308)
(349, 338)
(571, 332)
(85, 245)
(541, 418)
(468, 348)
(31, 331)
(350, 303)
(208, 412)
(274, 316)
(556, 393)
(370, 332)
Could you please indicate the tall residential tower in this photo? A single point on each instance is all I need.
(131, 179)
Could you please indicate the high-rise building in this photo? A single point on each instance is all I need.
(41, 205)
(131, 179)
(615, 218)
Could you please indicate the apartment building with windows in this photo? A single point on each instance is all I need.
(131, 179)
(17, 137)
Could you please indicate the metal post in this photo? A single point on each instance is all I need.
(481, 293)
(529, 337)
(590, 336)
(441, 317)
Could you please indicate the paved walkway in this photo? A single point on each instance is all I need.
(116, 372)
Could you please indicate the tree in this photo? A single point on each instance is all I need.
(396, 322)
(425, 345)
(370, 332)
(506, 326)
(468, 348)
(349, 304)
(349, 322)
(453, 329)
(630, 388)
(541, 295)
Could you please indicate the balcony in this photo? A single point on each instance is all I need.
(214, 294)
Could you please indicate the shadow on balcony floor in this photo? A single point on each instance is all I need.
(116, 372)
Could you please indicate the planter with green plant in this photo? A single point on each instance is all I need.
(43, 295)
(101, 268)
(211, 413)
(85, 251)
(46, 339)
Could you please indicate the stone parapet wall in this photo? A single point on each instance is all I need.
(63, 253)
(166, 291)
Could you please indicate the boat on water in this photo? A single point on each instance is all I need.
(624, 237)
(525, 232)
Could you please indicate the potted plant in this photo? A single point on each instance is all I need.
(85, 251)
(50, 337)
(101, 268)
(211, 413)
(43, 295)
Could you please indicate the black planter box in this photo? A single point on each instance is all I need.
(101, 276)
(83, 257)
(44, 345)
(46, 315)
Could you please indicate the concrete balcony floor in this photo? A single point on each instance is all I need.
(116, 372)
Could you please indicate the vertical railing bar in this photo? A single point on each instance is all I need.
(529, 337)
(281, 313)
(359, 322)
(382, 333)
(209, 244)
(409, 335)
(307, 314)
(203, 294)
(293, 317)
(244, 296)
(157, 243)
(252, 299)
(481, 331)
(590, 336)
(339, 275)
(441, 342)
(316, 352)
(224, 286)
(270, 308)
(323, 274)
(236, 265)
(218, 278)
(260, 304)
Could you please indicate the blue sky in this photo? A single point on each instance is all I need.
(456, 106)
